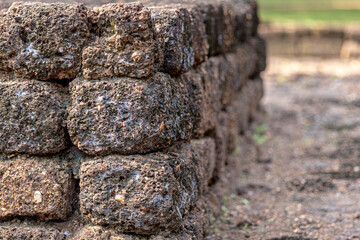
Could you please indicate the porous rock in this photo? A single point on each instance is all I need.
(247, 19)
(203, 85)
(219, 19)
(39, 187)
(102, 233)
(124, 43)
(29, 233)
(128, 116)
(181, 33)
(246, 60)
(201, 153)
(43, 41)
(259, 45)
(195, 227)
(141, 194)
(173, 27)
(33, 116)
(244, 108)
(222, 143)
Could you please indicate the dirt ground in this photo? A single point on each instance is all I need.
(305, 181)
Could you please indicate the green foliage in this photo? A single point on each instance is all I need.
(259, 136)
(245, 202)
(310, 12)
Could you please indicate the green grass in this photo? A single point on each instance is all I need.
(309, 4)
(311, 16)
(310, 11)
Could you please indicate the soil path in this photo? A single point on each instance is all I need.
(305, 183)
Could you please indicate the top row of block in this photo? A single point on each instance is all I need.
(60, 41)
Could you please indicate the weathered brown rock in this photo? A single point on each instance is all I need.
(43, 41)
(244, 108)
(181, 33)
(125, 43)
(259, 45)
(201, 153)
(203, 85)
(199, 38)
(256, 92)
(128, 116)
(35, 187)
(247, 60)
(33, 116)
(247, 19)
(102, 233)
(29, 233)
(222, 143)
(220, 26)
(195, 228)
(231, 76)
(142, 194)
(173, 27)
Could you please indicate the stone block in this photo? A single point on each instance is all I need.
(222, 142)
(247, 19)
(30, 233)
(259, 45)
(231, 77)
(128, 116)
(124, 43)
(244, 108)
(141, 194)
(247, 60)
(173, 27)
(102, 233)
(201, 153)
(199, 38)
(220, 25)
(203, 85)
(255, 93)
(181, 34)
(40, 187)
(43, 41)
(195, 226)
(33, 116)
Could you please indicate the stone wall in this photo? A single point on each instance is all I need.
(117, 121)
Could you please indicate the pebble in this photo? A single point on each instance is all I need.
(37, 197)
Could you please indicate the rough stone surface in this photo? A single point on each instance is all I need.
(35, 187)
(142, 194)
(220, 26)
(128, 116)
(247, 19)
(247, 59)
(181, 33)
(173, 27)
(201, 153)
(244, 108)
(102, 233)
(29, 233)
(33, 116)
(125, 43)
(256, 92)
(195, 227)
(222, 143)
(259, 45)
(203, 85)
(199, 38)
(43, 41)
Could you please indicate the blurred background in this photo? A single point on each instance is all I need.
(310, 12)
(322, 28)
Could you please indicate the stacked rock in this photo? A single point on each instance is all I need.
(115, 120)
